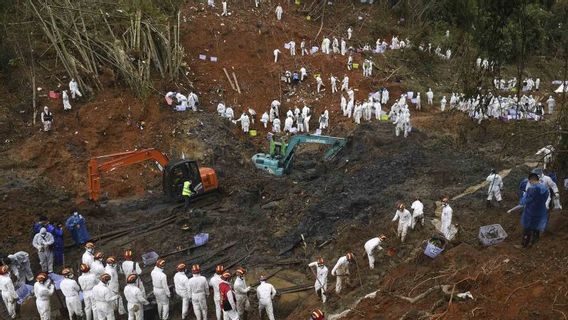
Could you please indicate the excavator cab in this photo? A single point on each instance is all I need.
(176, 173)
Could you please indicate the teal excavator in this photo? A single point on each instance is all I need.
(279, 160)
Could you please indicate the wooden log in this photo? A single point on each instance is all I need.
(229, 78)
(236, 83)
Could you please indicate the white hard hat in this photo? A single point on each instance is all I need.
(43, 230)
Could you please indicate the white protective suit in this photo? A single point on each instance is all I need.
(180, 284)
(550, 185)
(321, 280)
(241, 293)
(546, 153)
(74, 89)
(136, 300)
(104, 300)
(88, 257)
(97, 268)
(341, 271)
(115, 287)
(265, 293)
(9, 295)
(245, 122)
(65, 99)
(430, 96)
(446, 218)
(370, 247)
(276, 125)
(495, 185)
(42, 242)
(221, 109)
(288, 123)
(43, 292)
(20, 267)
(161, 292)
(417, 213)
(279, 11)
(88, 281)
(198, 289)
(132, 267)
(264, 119)
(214, 284)
(70, 290)
(229, 113)
(404, 222)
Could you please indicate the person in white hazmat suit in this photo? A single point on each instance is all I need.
(306, 112)
(181, 289)
(65, 99)
(495, 186)
(132, 267)
(229, 113)
(97, 267)
(20, 267)
(221, 109)
(546, 153)
(417, 213)
(161, 289)
(241, 292)
(104, 298)
(214, 285)
(245, 122)
(320, 273)
(198, 289)
(446, 218)
(341, 270)
(276, 125)
(265, 293)
(264, 119)
(550, 185)
(9, 295)
(43, 290)
(113, 285)
(70, 290)
(74, 89)
(404, 221)
(87, 281)
(373, 245)
(288, 123)
(43, 242)
(279, 11)
(89, 254)
(135, 298)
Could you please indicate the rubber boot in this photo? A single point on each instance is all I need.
(526, 238)
(535, 237)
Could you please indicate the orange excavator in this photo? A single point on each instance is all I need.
(203, 180)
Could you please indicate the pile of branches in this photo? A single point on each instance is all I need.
(89, 36)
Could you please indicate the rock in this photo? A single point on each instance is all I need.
(271, 205)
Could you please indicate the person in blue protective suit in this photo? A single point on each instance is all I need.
(535, 214)
(42, 223)
(58, 244)
(76, 224)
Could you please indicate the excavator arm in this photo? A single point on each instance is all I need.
(111, 162)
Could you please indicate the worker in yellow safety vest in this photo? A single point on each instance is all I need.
(186, 193)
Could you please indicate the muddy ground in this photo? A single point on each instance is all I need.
(257, 220)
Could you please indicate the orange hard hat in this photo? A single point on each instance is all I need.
(84, 268)
(349, 256)
(181, 267)
(382, 237)
(99, 255)
(320, 261)
(111, 260)
(317, 314)
(219, 269)
(89, 245)
(241, 271)
(131, 278)
(4, 269)
(66, 271)
(226, 276)
(127, 254)
(160, 263)
(41, 277)
(195, 268)
(105, 277)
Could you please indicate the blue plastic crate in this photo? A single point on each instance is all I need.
(201, 239)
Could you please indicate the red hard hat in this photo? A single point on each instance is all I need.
(41, 277)
(99, 255)
(131, 278)
(160, 263)
(127, 254)
(4, 269)
(219, 269)
(181, 267)
(317, 314)
(349, 256)
(195, 268)
(84, 268)
(320, 261)
(105, 277)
